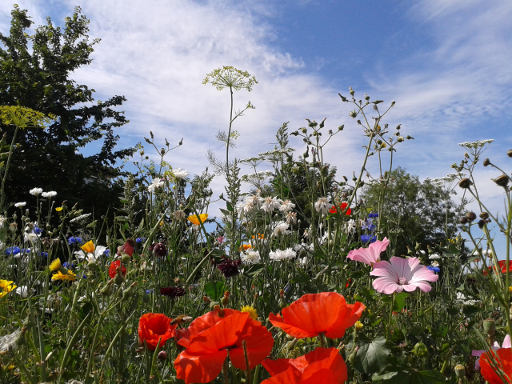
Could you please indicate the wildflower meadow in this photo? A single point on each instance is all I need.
(293, 273)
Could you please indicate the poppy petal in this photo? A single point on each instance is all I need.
(200, 324)
(258, 342)
(199, 368)
(346, 319)
(292, 330)
(290, 376)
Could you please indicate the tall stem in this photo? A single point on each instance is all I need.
(229, 131)
(2, 197)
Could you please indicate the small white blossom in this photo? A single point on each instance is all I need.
(463, 299)
(19, 205)
(281, 228)
(434, 256)
(36, 191)
(322, 205)
(180, 173)
(270, 203)
(250, 257)
(282, 255)
(291, 218)
(351, 226)
(286, 206)
(157, 183)
(435, 264)
(23, 291)
(49, 194)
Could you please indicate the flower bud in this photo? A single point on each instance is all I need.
(225, 299)
(490, 327)
(460, 371)
(107, 289)
(162, 355)
(486, 163)
(481, 224)
(471, 216)
(206, 299)
(400, 139)
(126, 258)
(128, 292)
(502, 180)
(463, 220)
(420, 350)
(484, 215)
(465, 183)
(351, 91)
(119, 278)
(509, 153)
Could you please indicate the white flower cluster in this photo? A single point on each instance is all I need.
(157, 183)
(434, 256)
(281, 228)
(180, 173)
(250, 257)
(476, 144)
(267, 204)
(282, 254)
(448, 178)
(39, 191)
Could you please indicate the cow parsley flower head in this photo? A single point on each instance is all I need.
(21, 204)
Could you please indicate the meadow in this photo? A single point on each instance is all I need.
(300, 276)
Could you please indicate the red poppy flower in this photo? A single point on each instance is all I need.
(154, 327)
(112, 270)
(321, 313)
(503, 357)
(127, 248)
(343, 206)
(211, 336)
(323, 365)
(503, 267)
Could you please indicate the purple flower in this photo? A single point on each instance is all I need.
(370, 255)
(229, 267)
(402, 274)
(368, 239)
(159, 249)
(172, 292)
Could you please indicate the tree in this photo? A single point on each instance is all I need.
(412, 211)
(35, 72)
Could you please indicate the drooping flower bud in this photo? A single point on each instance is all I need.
(481, 224)
(471, 216)
(107, 289)
(465, 183)
(463, 220)
(509, 153)
(486, 162)
(162, 355)
(502, 180)
(490, 327)
(484, 215)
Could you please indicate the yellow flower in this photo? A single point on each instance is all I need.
(251, 311)
(58, 209)
(194, 219)
(88, 247)
(6, 287)
(70, 276)
(510, 289)
(358, 325)
(55, 265)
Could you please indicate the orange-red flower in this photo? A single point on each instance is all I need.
(503, 357)
(503, 267)
(343, 206)
(323, 365)
(154, 327)
(112, 270)
(320, 313)
(211, 336)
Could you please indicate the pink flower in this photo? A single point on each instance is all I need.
(370, 255)
(402, 274)
(495, 347)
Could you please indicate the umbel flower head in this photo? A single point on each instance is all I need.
(323, 365)
(24, 117)
(209, 338)
(401, 274)
(370, 255)
(230, 77)
(324, 313)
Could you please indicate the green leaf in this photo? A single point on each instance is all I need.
(214, 290)
(411, 377)
(470, 310)
(400, 301)
(253, 270)
(372, 357)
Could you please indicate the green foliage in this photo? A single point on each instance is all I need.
(36, 73)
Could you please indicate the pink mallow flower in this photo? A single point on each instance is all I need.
(370, 255)
(402, 274)
(495, 347)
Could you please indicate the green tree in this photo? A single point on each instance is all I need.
(35, 72)
(412, 211)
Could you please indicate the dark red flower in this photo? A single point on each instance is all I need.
(172, 292)
(112, 270)
(155, 327)
(229, 267)
(159, 249)
(209, 338)
(343, 206)
(323, 365)
(127, 248)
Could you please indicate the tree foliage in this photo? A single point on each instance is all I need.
(36, 72)
(412, 211)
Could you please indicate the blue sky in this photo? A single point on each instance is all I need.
(447, 64)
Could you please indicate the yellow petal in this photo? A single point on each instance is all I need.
(88, 247)
(194, 219)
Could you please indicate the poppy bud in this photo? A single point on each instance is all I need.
(501, 180)
(490, 327)
(225, 299)
(119, 278)
(420, 350)
(92, 266)
(460, 371)
(484, 215)
(471, 216)
(487, 162)
(465, 183)
(107, 289)
(128, 292)
(126, 258)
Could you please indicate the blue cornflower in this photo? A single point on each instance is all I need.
(68, 265)
(43, 254)
(140, 239)
(148, 291)
(434, 269)
(12, 250)
(106, 253)
(368, 239)
(72, 240)
(373, 215)
(37, 230)
(25, 250)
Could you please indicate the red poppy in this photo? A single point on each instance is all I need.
(127, 248)
(154, 327)
(343, 206)
(323, 365)
(503, 267)
(211, 336)
(112, 270)
(321, 313)
(504, 363)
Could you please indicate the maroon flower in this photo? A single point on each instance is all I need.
(127, 248)
(172, 292)
(159, 249)
(229, 267)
